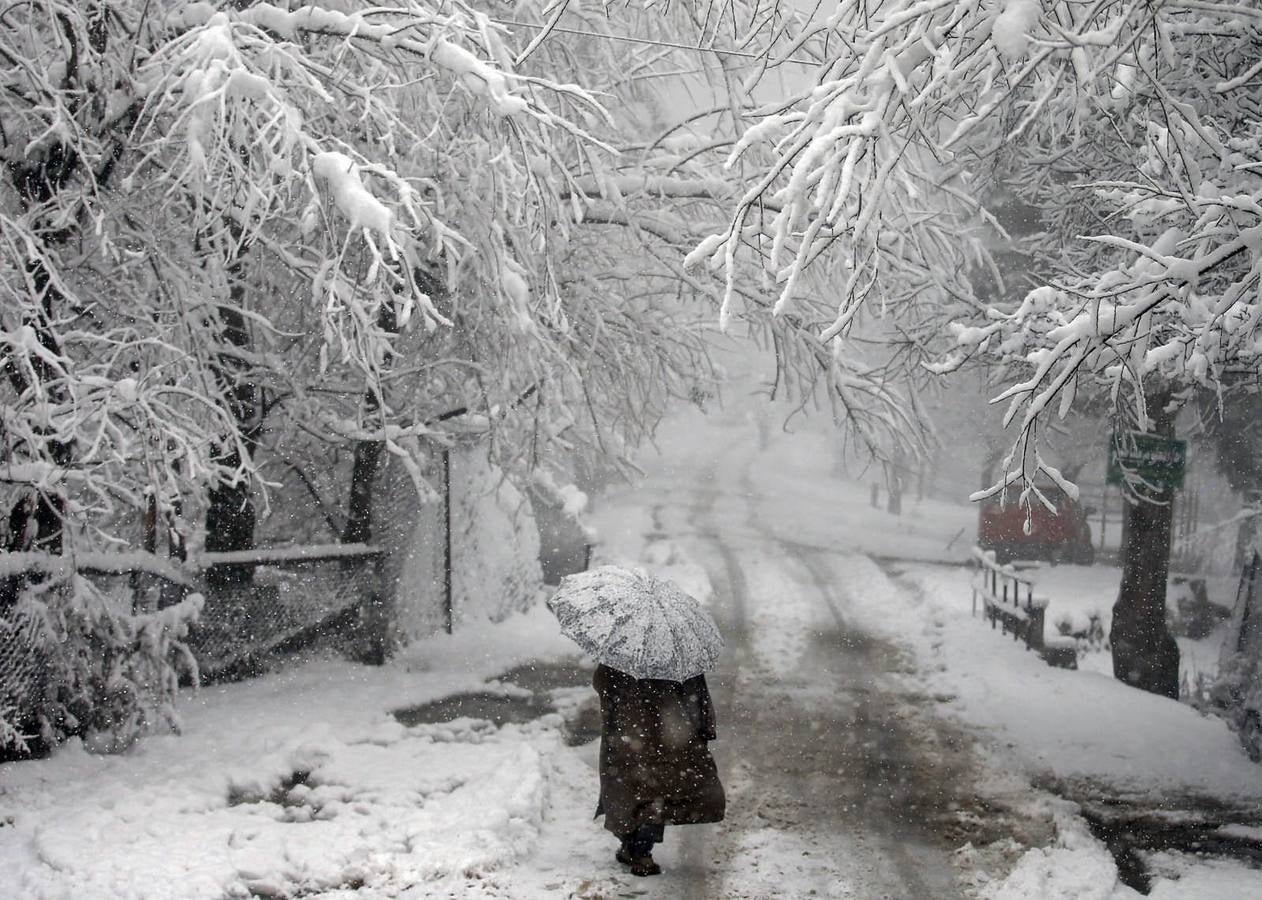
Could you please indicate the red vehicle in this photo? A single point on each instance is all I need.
(1063, 536)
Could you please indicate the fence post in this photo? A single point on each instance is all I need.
(1034, 630)
(448, 611)
(377, 619)
(138, 581)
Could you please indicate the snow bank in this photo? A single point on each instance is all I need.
(391, 807)
(1075, 726)
(1075, 867)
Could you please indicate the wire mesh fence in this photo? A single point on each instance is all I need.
(295, 597)
(471, 553)
(288, 598)
(22, 662)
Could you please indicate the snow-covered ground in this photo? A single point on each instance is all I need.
(296, 783)
(303, 783)
(1081, 598)
(1082, 731)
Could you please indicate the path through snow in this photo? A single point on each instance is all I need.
(840, 783)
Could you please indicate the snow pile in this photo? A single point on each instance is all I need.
(389, 808)
(1075, 867)
(1183, 876)
(1078, 867)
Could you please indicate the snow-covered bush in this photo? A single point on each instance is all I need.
(11, 736)
(109, 675)
(1236, 693)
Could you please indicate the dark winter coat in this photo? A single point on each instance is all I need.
(655, 765)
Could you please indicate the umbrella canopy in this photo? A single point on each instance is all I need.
(631, 621)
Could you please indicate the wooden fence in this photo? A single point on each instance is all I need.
(1008, 601)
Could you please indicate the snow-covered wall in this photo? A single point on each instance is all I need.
(411, 533)
(495, 543)
(494, 546)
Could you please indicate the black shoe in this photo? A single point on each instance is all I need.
(644, 866)
(624, 856)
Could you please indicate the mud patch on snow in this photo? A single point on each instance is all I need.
(537, 690)
(566, 686)
(1132, 837)
(540, 677)
(501, 709)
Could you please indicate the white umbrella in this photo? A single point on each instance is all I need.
(636, 623)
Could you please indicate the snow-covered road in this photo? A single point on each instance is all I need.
(839, 787)
(876, 740)
(840, 783)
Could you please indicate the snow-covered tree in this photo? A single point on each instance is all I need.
(1131, 130)
(222, 218)
(227, 224)
(1134, 125)
(181, 177)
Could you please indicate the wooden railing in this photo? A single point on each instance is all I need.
(1008, 601)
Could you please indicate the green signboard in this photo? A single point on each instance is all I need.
(1157, 460)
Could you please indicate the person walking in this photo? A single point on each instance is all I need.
(655, 763)
(652, 641)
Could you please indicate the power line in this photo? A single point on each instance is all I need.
(656, 43)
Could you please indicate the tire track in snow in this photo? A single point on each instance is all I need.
(829, 782)
(884, 766)
(703, 849)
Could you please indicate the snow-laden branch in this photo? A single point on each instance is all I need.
(1131, 127)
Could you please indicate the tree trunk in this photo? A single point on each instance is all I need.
(1145, 655)
(894, 481)
(230, 514)
(364, 469)
(367, 460)
(376, 615)
(230, 523)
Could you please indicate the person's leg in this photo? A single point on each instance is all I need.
(641, 843)
(635, 844)
(640, 849)
(624, 854)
